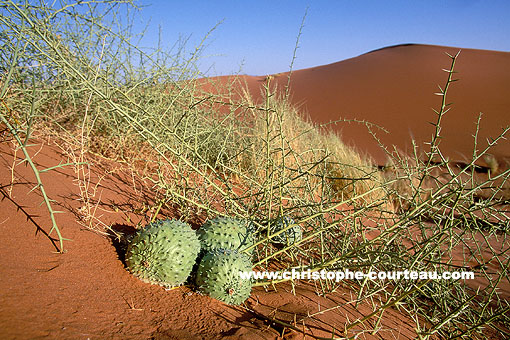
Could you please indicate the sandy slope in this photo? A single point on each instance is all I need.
(86, 293)
(394, 88)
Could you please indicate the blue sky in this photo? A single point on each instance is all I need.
(258, 37)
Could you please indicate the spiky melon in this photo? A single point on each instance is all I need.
(225, 233)
(218, 276)
(163, 253)
(290, 236)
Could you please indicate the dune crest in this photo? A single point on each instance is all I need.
(394, 88)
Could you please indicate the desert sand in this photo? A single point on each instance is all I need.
(87, 293)
(395, 88)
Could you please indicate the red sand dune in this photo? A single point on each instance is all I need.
(394, 88)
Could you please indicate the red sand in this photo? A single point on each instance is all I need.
(86, 293)
(394, 88)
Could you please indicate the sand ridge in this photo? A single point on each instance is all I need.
(395, 88)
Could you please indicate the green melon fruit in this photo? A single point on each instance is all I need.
(218, 276)
(225, 233)
(290, 236)
(163, 253)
